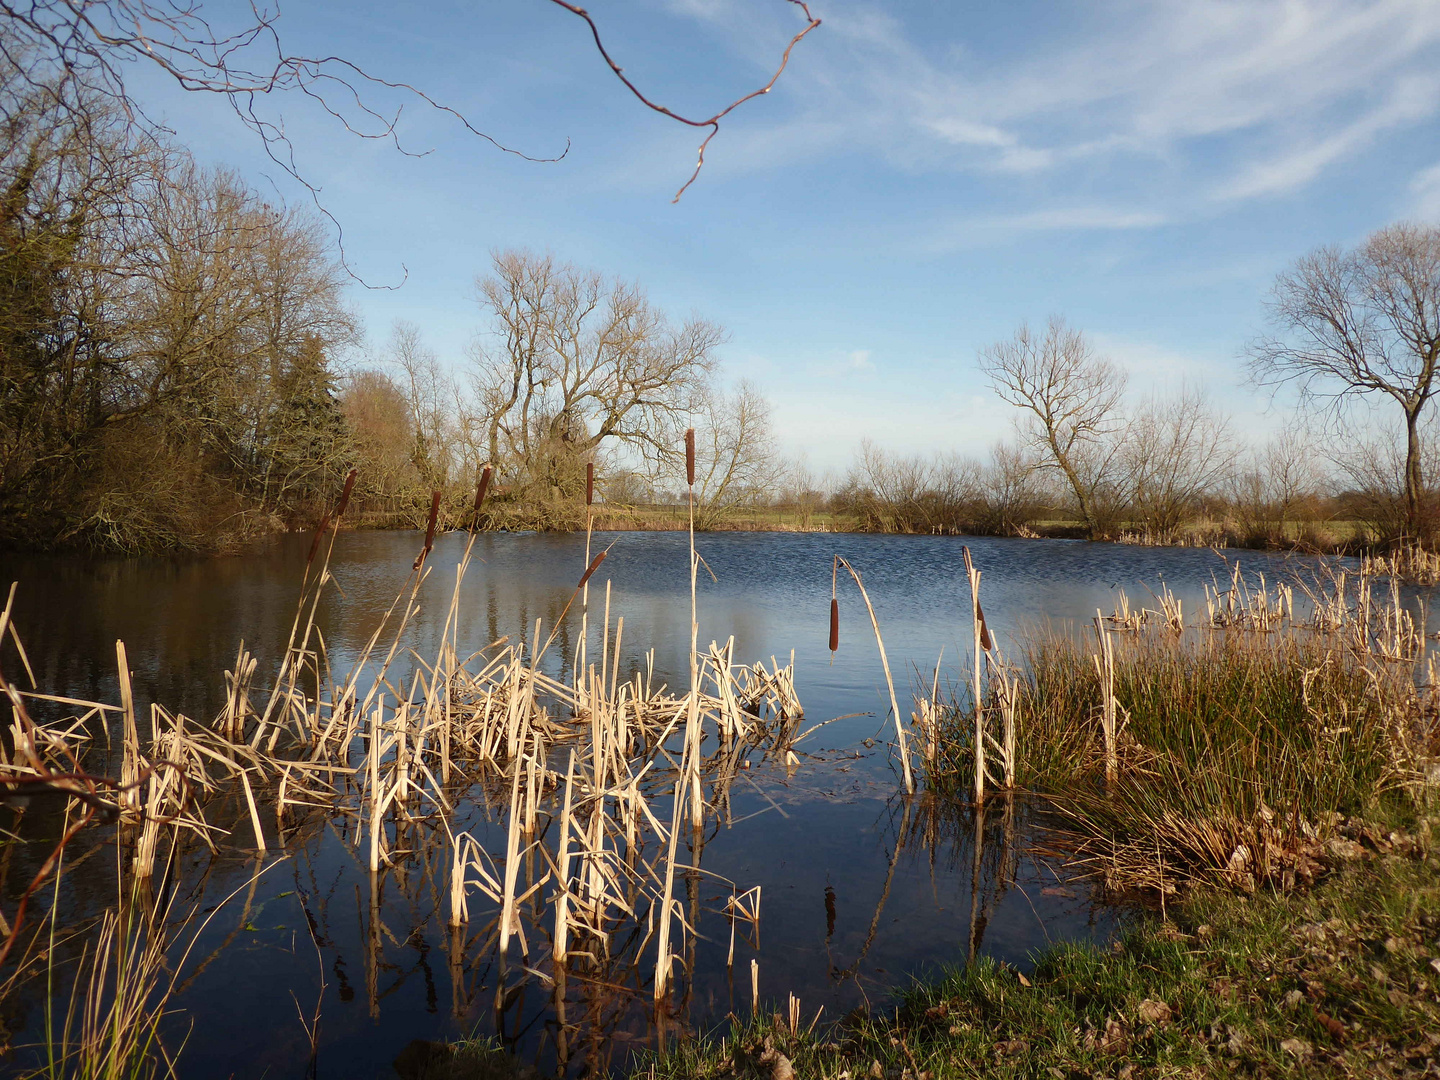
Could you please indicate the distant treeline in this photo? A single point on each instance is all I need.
(179, 371)
(1277, 496)
(1273, 496)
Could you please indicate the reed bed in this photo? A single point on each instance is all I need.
(1410, 562)
(1225, 750)
(594, 775)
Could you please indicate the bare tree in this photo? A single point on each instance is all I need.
(1073, 397)
(1351, 324)
(1011, 494)
(736, 461)
(1176, 451)
(802, 490)
(892, 492)
(1272, 483)
(581, 364)
(1370, 462)
(430, 394)
(886, 491)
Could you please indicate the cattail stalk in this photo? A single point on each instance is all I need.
(589, 525)
(1105, 670)
(981, 636)
(429, 530)
(889, 681)
(345, 495)
(692, 720)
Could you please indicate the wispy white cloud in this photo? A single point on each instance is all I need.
(1231, 99)
(1413, 99)
(1425, 194)
(856, 362)
(983, 230)
(1156, 368)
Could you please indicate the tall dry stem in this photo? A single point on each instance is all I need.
(1105, 669)
(889, 681)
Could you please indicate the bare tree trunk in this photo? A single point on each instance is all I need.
(1087, 516)
(1414, 480)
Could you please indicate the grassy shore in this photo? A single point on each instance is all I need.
(1267, 794)
(1325, 536)
(1337, 980)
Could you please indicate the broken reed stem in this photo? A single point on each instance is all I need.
(254, 811)
(889, 681)
(562, 898)
(130, 743)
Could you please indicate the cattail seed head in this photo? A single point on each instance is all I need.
(429, 530)
(434, 515)
(345, 494)
(594, 565)
(986, 642)
(834, 624)
(690, 456)
(589, 483)
(315, 543)
(481, 488)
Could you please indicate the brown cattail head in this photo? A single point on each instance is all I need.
(315, 544)
(345, 494)
(986, 642)
(589, 483)
(434, 515)
(481, 488)
(690, 456)
(834, 624)
(429, 529)
(594, 565)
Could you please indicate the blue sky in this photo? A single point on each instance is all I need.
(924, 176)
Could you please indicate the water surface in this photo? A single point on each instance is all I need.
(862, 891)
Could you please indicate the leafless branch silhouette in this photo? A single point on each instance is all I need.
(712, 122)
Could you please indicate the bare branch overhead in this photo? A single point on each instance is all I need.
(711, 122)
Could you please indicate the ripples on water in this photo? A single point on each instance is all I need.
(861, 890)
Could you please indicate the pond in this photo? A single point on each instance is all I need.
(860, 890)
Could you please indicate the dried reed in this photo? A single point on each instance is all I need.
(884, 663)
(387, 746)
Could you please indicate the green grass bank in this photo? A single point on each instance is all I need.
(1337, 980)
